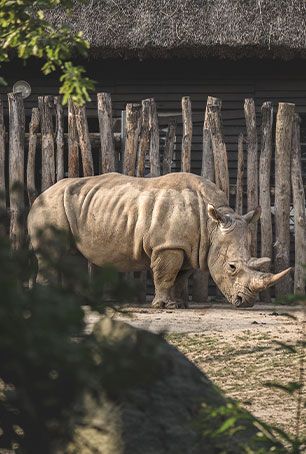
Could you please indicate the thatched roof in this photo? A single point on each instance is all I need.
(195, 28)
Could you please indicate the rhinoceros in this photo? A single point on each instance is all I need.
(171, 224)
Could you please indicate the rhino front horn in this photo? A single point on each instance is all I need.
(265, 280)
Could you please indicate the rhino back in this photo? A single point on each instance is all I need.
(121, 220)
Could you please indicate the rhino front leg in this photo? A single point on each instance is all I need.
(166, 265)
(180, 288)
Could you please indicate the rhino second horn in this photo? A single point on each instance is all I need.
(265, 280)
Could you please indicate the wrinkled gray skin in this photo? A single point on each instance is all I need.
(171, 225)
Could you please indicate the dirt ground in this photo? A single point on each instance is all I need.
(237, 349)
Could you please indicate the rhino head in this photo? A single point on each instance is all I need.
(231, 266)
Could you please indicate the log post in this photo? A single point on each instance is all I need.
(283, 145)
(85, 147)
(46, 107)
(218, 145)
(16, 169)
(84, 140)
(73, 145)
(143, 151)
(240, 170)
(60, 172)
(252, 166)
(208, 165)
(144, 140)
(105, 116)
(154, 141)
(169, 146)
(187, 134)
(133, 117)
(299, 210)
(2, 171)
(264, 187)
(200, 280)
(33, 130)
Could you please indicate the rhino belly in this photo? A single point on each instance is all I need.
(104, 225)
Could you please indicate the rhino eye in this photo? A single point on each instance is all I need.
(232, 267)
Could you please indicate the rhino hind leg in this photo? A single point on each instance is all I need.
(166, 265)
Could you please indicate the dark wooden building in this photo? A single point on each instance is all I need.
(168, 49)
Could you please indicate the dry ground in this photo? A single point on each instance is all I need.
(237, 349)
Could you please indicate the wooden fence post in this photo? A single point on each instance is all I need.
(264, 187)
(299, 209)
(46, 107)
(200, 280)
(2, 171)
(133, 117)
(84, 140)
(240, 171)
(85, 147)
(283, 145)
(73, 144)
(252, 166)
(169, 146)
(154, 141)
(208, 165)
(187, 134)
(143, 151)
(105, 116)
(16, 169)
(33, 130)
(218, 145)
(144, 140)
(60, 172)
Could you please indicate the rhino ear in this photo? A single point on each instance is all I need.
(252, 216)
(215, 214)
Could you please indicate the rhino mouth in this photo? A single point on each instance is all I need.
(242, 301)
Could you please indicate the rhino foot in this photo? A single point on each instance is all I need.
(169, 304)
(178, 304)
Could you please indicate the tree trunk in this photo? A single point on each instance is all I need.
(218, 145)
(154, 141)
(133, 118)
(3, 212)
(60, 173)
(46, 107)
(264, 187)
(283, 145)
(299, 210)
(240, 171)
(252, 166)
(84, 140)
(144, 141)
(33, 130)
(106, 132)
(73, 145)
(16, 169)
(169, 146)
(187, 134)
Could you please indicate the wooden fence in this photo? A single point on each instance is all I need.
(57, 143)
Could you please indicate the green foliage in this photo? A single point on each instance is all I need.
(25, 31)
(47, 362)
(231, 422)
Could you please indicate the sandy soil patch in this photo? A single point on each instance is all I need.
(237, 349)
